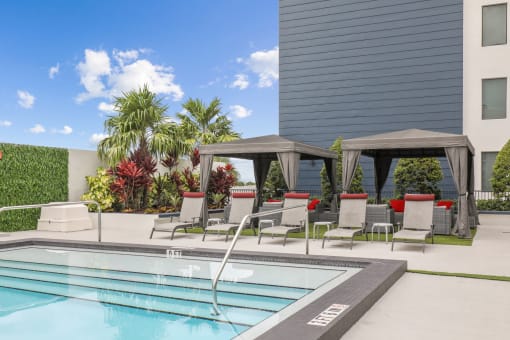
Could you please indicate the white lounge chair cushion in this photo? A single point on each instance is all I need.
(164, 224)
(221, 227)
(278, 230)
(342, 233)
(407, 234)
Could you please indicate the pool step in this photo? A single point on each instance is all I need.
(235, 315)
(168, 280)
(271, 304)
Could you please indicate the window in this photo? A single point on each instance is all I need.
(488, 159)
(494, 98)
(494, 25)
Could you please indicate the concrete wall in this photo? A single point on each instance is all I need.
(354, 68)
(81, 163)
(482, 63)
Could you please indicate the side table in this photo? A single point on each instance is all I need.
(386, 226)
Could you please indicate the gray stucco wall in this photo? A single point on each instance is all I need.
(353, 68)
(81, 163)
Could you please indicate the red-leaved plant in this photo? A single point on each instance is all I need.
(129, 180)
(147, 164)
(221, 181)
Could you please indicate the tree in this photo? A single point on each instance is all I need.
(275, 181)
(421, 175)
(203, 124)
(141, 124)
(356, 186)
(501, 171)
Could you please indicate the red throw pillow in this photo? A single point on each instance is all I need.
(270, 200)
(313, 204)
(447, 204)
(398, 205)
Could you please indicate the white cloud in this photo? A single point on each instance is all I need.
(240, 111)
(105, 107)
(124, 56)
(38, 128)
(92, 70)
(5, 123)
(101, 79)
(53, 71)
(241, 81)
(67, 130)
(25, 99)
(159, 79)
(265, 65)
(97, 137)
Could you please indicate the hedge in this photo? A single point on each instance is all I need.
(30, 175)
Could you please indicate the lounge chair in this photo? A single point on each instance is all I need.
(189, 216)
(417, 224)
(242, 205)
(292, 220)
(351, 220)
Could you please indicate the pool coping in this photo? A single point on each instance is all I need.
(360, 292)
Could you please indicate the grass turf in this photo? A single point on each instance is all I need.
(463, 275)
(438, 239)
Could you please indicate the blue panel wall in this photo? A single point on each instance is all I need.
(354, 68)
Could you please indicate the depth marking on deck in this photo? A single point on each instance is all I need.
(328, 315)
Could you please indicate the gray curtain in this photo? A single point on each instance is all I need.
(289, 162)
(261, 169)
(382, 169)
(206, 162)
(350, 160)
(458, 161)
(473, 211)
(330, 164)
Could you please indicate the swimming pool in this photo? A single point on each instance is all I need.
(59, 293)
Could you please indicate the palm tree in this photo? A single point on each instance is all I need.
(205, 124)
(141, 124)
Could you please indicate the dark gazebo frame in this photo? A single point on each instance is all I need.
(415, 143)
(262, 151)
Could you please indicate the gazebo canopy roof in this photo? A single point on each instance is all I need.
(407, 143)
(265, 147)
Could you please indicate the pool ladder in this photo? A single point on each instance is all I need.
(57, 204)
(234, 241)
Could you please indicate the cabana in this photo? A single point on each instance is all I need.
(415, 143)
(262, 151)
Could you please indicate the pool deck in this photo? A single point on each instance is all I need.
(416, 307)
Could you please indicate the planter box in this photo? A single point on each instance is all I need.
(64, 218)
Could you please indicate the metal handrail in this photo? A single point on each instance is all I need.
(234, 241)
(56, 204)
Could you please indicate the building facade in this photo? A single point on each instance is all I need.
(354, 68)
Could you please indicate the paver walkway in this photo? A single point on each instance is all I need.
(416, 307)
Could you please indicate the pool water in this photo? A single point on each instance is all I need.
(76, 294)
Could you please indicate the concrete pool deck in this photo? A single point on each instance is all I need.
(416, 307)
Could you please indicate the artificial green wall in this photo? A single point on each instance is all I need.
(30, 175)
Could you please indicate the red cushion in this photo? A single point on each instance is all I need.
(313, 204)
(271, 200)
(354, 196)
(243, 195)
(296, 195)
(447, 204)
(397, 205)
(419, 197)
(193, 194)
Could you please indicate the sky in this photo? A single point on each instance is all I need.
(62, 63)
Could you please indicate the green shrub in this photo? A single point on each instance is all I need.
(356, 185)
(274, 181)
(501, 171)
(30, 175)
(493, 204)
(421, 175)
(99, 190)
